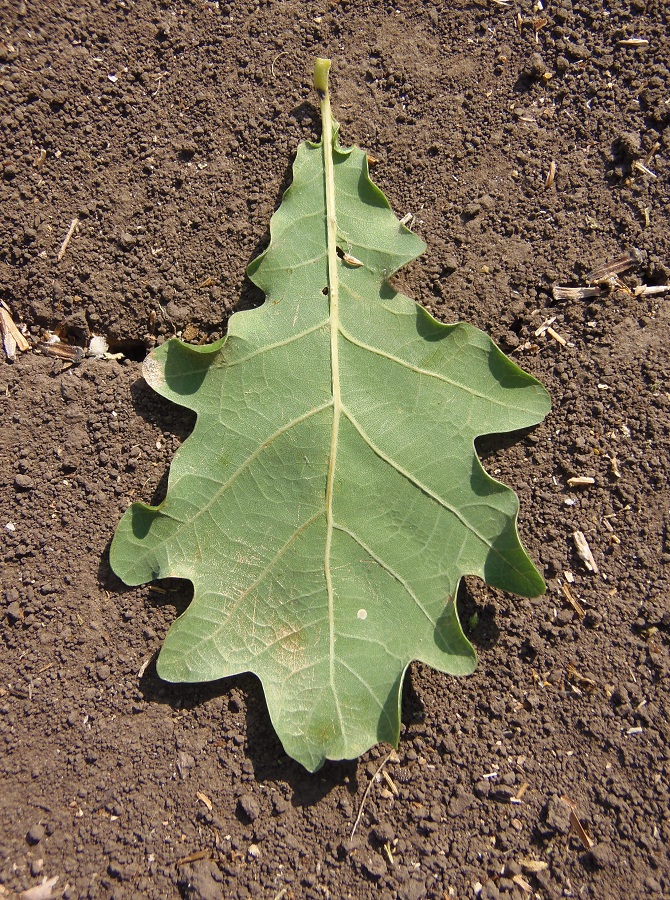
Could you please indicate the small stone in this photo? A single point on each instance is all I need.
(36, 867)
(458, 805)
(412, 890)
(35, 834)
(24, 483)
(374, 866)
(186, 148)
(578, 51)
(593, 619)
(127, 240)
(249, 807)
(347, 847)
(115, 870)
(14, 613)
(450, 264)
(602, 856)
(103, 672)
(177, 312)
(490, 891)
(535, 66)
(503, 793)
(345, 806)
(564, 617)
(121, 871)
(280, 805)
(482, 788)
(201, 881)
(185, 762)
(629, 143)
(383, 833)
(557, 815)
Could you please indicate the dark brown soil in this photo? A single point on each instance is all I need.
(168, 130)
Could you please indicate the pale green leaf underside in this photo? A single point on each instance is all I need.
(328, 580)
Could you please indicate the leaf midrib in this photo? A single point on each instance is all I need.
(333, 300)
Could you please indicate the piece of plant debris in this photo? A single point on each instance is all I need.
(330, 497)
(12, 338)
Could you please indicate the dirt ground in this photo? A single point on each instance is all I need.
(167, 129)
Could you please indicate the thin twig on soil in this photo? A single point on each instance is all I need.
(193, 857)
(68, 237)
(388, 756)
(572, 600)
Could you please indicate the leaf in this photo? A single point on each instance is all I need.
(330, 497)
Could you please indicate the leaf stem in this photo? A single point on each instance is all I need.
(321, 69)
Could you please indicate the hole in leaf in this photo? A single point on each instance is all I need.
(340, 252)
(324, 291)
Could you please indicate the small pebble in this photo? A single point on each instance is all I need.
(602, 856)
(14, 612)
(374, 866)
(103, 672)
(383, 833)
(127, 241)
(535, 66)
(280, 805)
(248, 806)
(35, 834)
